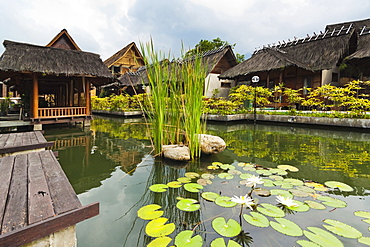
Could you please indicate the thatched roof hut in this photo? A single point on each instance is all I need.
(27, 58)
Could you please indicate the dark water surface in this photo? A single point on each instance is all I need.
(112, 163)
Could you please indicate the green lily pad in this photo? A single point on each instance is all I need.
(286, 227)
(231, 228)
(261, 192)
(342, 229)
(234, 172)
(301, 207)
(332, 202)
(283, 184)
(193, 187)
(299, 193)
(225, 175)
(225, 201)
(220, 242)
(158, 187)
(227, 167)
(264, 172)
(278, 171)
(316, 186)
(305, 243)
(341, 186)
(294, 181)
(288, 167)
(270, 210)
(210, 196)
(249, 168)
(185, 238)
(362, 214)
(160, 242)
(174, 184)
(256, 219)
(267, 182)
(314, 204)
(276, 177)
(207, 176)
(245, 175)
(192, 175)
(204, 182)
(305, 189)
(277, 192)
(158, 228)
(322, 237)
(364, 240)
(149, 212)
(188, 205)
(184, 180)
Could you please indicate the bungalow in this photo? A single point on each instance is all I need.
(339, 54)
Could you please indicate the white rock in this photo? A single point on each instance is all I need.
(176, 152)
(210, 144)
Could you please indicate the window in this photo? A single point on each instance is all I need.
(226, 84)
(307, 83)
(335, 77)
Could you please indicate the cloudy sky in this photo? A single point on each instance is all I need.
(106, 26)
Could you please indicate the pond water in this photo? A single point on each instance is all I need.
(112, 163)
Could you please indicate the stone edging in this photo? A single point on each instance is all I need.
(119, 113)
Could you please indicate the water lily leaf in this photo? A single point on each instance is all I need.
(184, 180)
(192, 175)
(249, 168)
(305, 243)
(207, 176)
(193, 187)
(261, 192)
(322, 237)
(299, 193)
(231, 228)
(270, 210)
(305, 189)
(301, 207)
(332, 202)
(174, 184)
(185, 239)
(316, 186)
(188, 204)
(220, 242)
(158, 187)
(366, 221)
(341, 186)
(204, 182)
(225, 175)
(283, 184)
(149, 212)
(294, 181)
(216, 163)
(288, 167)
(225, 201)
(277, 192)
(158, 227)
(234, 172)
(362, 214)
(278, 171)
(210, 196)
(160, 242)
(227, 167)
(212, 167)
(264, 172)
(276, 177)
(314, 204)
(286, 227)
(268, 183)
(342, 229)
(245, 175)
(364, 240)
(256, 219)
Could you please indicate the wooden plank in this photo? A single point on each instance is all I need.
(49, 226)
(33, 137)
(14, 149)
(40, 206)
(62, 194)
(15, 216)
(3, 139)
(6, 169)
(18, 141)
(10, 141)
(39, 136)
(26, 138)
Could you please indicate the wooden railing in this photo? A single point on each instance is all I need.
(61, 112)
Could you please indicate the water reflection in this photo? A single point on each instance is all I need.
(112, 163)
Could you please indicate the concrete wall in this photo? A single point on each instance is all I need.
(63, 238)
(327, 76)
(212, 82)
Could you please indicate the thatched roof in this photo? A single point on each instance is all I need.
(111, 60)
(212, 58)
(27, 58)
(134, 78)
(317, 52)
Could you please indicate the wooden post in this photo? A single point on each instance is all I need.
(71, 92)
(35, 97)
(87, 95)
(79, 86)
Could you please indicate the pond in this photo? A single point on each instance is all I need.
(112, 163)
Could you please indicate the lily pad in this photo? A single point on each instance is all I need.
(261, 192)
(245, 175)
(210, 196)
(207, 176)
(193, 187)
(342, 229)
(225, 175)
(286, 227)
(150, 212)
(234, 172)
(192, 175)
(185, 238)
(364, 240)
(220, 242)
(294, 181)
(227, 167)
(225, 201)
(301, 207)
(305, 189)
(322, 237)
(362, 214)
(264, 172)
(315, 205)
(299, 193)
(158, 187)
(174, 184)
(278, 171)
(283, 184)
(270, 210)
(158, 228)
(341, 186)
(184, 180)
(204, 182)
(249, 168)
(231, 228)
(288, 167)
(188, 205)
(305, 243)
(160, 242)
(268, 183)
(276, 177)
(256, 219)
(332, 202)
(277, 192)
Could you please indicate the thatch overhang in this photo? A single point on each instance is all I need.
(23, 59)
(213, 59)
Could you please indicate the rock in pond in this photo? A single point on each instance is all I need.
(176, 152)
(210, 144)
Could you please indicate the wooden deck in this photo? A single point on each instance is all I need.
(36, 198)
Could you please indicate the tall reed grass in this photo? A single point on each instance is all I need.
(175, 105)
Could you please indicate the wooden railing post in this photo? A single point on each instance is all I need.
(35, 96)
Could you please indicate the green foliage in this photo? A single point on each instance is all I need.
(248, 92)
(207, 45)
